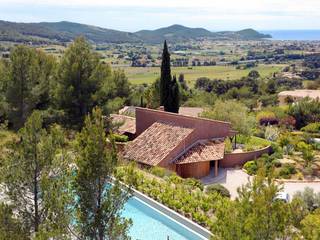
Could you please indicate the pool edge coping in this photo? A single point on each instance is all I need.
(201, 231)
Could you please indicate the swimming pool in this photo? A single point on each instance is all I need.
(149, 223)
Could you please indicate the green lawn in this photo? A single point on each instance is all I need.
(149, 74)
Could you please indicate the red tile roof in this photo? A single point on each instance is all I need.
(128, 124)
(155, 143)
(203, 152)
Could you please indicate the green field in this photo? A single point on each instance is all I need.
(149, 74)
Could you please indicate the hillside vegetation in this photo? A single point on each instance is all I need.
(49, 32)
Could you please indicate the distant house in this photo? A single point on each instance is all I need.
(296, 95)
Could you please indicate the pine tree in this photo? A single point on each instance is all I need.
(99, 201)
(256, 214)
(36, 180)
(78, 81)
(165, 78)
(28, 84)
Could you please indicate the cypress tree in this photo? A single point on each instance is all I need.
(173, 102)
(169, 88)
(165, 79)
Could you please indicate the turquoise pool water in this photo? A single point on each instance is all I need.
(150, 224)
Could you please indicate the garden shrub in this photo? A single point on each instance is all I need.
(251, 167)
(175, 179)
(161, 172)
(277, 151)
(312, 128)
(287, 170)
(259, 132)
(276, 163)
(288, 122)
(316, 146)
(300, 176)
(158, 171)
(271, 133)
(195, 183)
(120, 138)
(302, 146)
(267, 118)
(218, 188)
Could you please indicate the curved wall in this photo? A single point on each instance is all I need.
(238, 159)
(193, 170)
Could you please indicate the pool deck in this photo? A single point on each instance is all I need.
(187, 223)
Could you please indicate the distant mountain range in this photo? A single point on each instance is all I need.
(50, 32)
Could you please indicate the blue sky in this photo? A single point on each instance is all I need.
(133, 15)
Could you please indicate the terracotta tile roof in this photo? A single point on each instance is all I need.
(203, 152)
(155, 143)
(128, 124)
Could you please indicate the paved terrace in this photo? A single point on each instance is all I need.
(232, 179)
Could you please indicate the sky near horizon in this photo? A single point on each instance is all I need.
(133, 15)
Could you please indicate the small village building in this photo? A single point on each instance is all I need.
(286, 97)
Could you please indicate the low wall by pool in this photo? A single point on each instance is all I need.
(188, 224)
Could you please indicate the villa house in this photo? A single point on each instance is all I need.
(190, 146)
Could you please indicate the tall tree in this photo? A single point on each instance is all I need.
(152, 95)
(78, 81)
(100, 198)
(28, 84)
(165, 78)
(173, 102)
(169, 88)
(35, 179)
(256, 214)
(234, 112)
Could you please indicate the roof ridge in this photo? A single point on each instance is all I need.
(171, 124)
(122, 115)
(182, 116)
